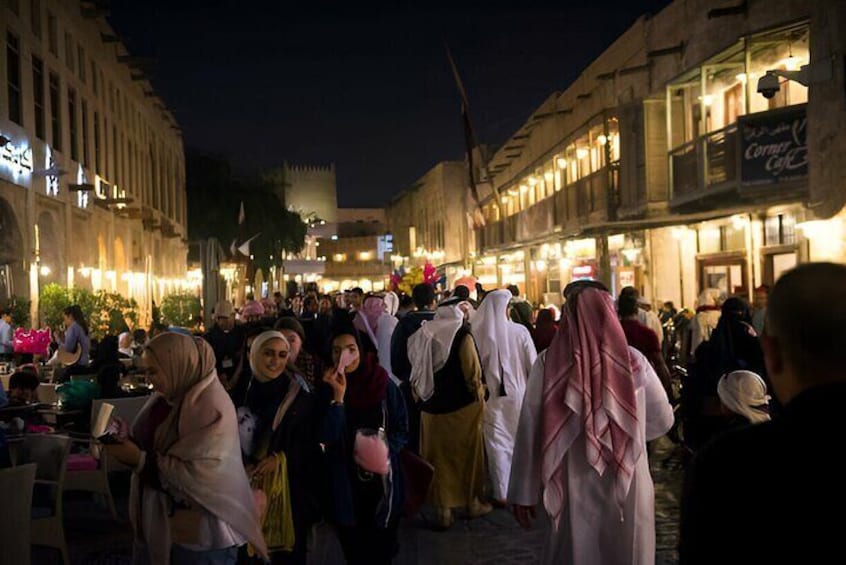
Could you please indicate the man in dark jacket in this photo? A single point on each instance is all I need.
(424, 299)
(771, 492)
(227, 341)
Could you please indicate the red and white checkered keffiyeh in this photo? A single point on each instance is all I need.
(589, 387)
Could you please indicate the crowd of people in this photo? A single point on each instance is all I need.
(303, 410)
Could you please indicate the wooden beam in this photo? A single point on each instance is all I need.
(666, 51)
(737, 10)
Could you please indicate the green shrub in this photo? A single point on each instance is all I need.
(180, 309)
(19, 309)
(106, 312)
(51, 302)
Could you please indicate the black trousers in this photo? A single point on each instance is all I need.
(369, 545)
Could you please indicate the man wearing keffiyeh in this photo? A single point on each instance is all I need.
(591, 404)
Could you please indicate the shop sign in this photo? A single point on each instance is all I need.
(384, 246)
(774, 146)
(583, 272)
(16, 159)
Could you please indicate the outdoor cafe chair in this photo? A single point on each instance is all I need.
(50, 454)
(16, 485)
(89, 472)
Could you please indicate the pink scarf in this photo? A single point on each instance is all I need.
(588, 387)
(367, 319)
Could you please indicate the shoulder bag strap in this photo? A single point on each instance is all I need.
(293, 390)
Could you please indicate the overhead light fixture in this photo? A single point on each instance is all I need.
(562, 163)
(602, 139)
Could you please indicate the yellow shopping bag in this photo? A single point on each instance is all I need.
(277, 520)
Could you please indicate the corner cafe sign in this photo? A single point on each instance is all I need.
(774, 146)
(16, 159)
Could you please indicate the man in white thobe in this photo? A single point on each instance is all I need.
(507, 354)
(581, 443)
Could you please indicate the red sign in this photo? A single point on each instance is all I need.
(583, 272)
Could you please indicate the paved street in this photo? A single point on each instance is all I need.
(95, 540)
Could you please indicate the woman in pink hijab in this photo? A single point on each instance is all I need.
(190, 500)
(366, 321)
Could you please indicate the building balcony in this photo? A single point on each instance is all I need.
(304, 266)
(575, 207)
(356, 269)
(761, 156)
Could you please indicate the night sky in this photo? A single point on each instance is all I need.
(364, 85)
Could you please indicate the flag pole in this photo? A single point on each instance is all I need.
(471, 140)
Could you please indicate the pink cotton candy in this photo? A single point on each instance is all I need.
(371, 453)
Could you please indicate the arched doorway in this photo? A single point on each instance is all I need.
(13, 280)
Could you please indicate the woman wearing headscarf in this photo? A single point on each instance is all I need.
(507, 355)
(309, 366)
(734, 345)
(365, 506)
(366, 321)
(190, 500)
(592, 404)
(385, 326)
(282, 411)
(447, 376)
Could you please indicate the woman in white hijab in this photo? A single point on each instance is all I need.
(507, 354)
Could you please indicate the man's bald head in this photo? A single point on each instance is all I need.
(806, 318)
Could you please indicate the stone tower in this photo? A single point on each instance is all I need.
(308, 189)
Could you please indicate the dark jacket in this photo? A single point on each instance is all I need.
(296, 437)
(407, 325)
(228, 348)
(772, 492)
(338, 434)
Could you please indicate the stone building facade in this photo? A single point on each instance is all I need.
(355, 254)
(663, 167)
(428, 221)
(92, 176)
